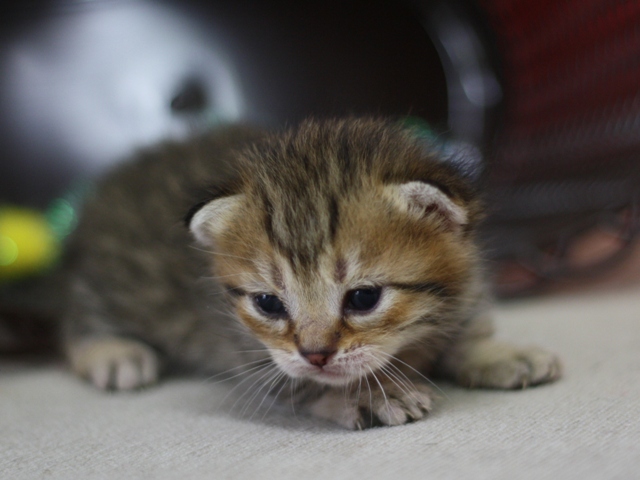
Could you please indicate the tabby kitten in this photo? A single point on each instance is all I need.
(335, 261)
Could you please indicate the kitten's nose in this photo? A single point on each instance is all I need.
(319, 359)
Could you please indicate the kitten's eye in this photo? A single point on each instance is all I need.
(363, 299)
(270, 304)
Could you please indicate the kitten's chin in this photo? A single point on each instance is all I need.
(333, 375)
(332, 378)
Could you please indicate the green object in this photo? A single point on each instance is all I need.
(31, 241)
(422, 128)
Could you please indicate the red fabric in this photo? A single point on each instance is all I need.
(571, 74)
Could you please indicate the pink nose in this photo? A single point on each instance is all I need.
(319, 359)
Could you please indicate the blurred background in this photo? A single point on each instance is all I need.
(547, 90)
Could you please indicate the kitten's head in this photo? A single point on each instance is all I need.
(341, 244)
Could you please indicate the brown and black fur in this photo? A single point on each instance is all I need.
(307, 216)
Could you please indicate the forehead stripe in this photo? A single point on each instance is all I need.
(341, 270)
(277, 277)
(334, 217)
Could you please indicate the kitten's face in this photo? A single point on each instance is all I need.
(384, 282)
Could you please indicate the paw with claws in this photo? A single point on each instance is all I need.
(491, 364)
(377, 403)
(114, 363)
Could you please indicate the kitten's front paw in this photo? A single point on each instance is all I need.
(114, 363)
(372, 406)
(495, 365)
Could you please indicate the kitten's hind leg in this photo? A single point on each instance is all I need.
(487, 363)
(111, 362)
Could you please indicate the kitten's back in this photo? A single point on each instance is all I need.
(132, 266)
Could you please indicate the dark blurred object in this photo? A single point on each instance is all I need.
(85, 83)
(564, 178)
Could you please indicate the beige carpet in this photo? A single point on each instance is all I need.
(587, 426)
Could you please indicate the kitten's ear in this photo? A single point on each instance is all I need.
(423, 200)
(207, 220)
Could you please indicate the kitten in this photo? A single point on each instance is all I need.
(335, 260)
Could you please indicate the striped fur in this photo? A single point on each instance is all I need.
(307, 216)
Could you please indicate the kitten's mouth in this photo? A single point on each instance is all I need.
(336, 372)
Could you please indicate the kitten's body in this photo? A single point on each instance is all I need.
(344, 248)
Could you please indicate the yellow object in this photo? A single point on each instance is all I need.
(27, 243)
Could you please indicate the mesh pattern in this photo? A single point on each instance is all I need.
(571, 74)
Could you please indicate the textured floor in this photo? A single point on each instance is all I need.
(587, 426)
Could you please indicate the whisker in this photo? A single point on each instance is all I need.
(261, 369)
(409, 391)
(274, 383)
(400, 375)
(399, 372)
(261, 380)
(236, 368)
(366, 378)
(236, 327)
(345, 394)
(386, 401)
(264, 374)
(264, 382)
(359, 386)
(294, 391)
(416, 371)
(276, 397)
